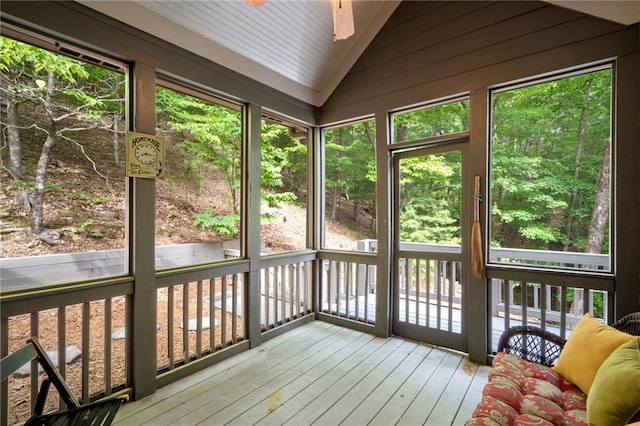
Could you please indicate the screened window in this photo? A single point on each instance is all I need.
(550, 164)
(431, 121)
(283, 183)
(62, 167)
(350, 187)
(429, 199)
(198, 202)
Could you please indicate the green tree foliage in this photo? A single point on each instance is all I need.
(434, 121)
(212, 136)
(211, 140)
(350, 167)
(279, 154)
(226, 225)
(548, 146)
(430, 201)
(430, 185)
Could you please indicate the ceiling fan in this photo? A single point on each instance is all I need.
(342, 11)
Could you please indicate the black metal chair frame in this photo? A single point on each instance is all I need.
(540, 346)
(100, 412)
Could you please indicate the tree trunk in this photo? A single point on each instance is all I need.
(599, 218)
(336, 179)
(43, 162)
(336, 198)
(13, 135)
(374, 213)
(576, 164)
(370, 136)
(578, 297)
(116, 129)
(41, 171)
(372, 141)
(600, 214)
(401, 133)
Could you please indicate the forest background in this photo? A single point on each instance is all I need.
(63, 178)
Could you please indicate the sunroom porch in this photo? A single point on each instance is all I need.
(188, 332)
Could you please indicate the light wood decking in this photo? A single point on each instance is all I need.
(321, 374)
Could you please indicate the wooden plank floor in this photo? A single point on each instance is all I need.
(321, 374)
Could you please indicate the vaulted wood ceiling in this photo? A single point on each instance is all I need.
(286, 44)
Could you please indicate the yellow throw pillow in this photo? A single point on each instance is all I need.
(590, 343)
(614, 397)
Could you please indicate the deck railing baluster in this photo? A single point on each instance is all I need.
(170, 329)
(357, 290)
(429, 284)
(62, 349)
(452, 283)
(277, 318)
(347, 289)
(417, 290)
(86, 339)
(508, 296)
(212, 315)
(367, 290)
(223, 301)
(563, 308)
(438, 283)
(290, 286)
(185, 323)
(266, 290)
(235, 313)
(199, 319)
(299, 277)
(280, 297)
(406, 282)
(107, 345)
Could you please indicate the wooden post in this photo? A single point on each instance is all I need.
(475, 297)
(251, 191)
(627, 196)
(383, 197)
(142, 341)
(315, 211)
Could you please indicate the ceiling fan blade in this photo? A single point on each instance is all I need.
(343, 26)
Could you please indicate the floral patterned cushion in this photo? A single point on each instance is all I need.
(522, 393)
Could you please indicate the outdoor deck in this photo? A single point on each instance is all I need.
(321, 374)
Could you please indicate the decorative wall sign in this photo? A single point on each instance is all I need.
(144, 156)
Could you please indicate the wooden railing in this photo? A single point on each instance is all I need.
(554, 301)
(286, 291)
(429, 288)
(203, 310)
(197, 317)
(549, 258)
(202, 316)
(27, 272)
(347, 285)
(82, 322)
(508, 297)
(554, 307)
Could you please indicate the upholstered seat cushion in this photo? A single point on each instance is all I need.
(523, 393)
